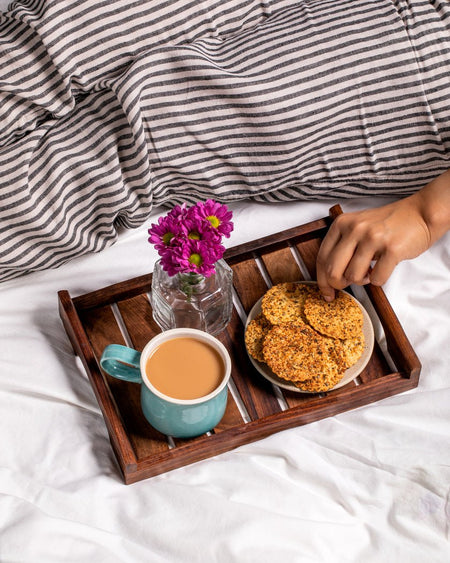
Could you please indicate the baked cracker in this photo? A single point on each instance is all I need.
(341, 318)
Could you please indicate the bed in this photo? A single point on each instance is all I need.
(368, 484)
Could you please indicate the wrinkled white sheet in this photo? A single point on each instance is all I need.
(367, 485)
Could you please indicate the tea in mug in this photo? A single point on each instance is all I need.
(185, 368)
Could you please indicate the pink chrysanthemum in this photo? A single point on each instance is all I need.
(163, 232)
(217, 214)
(178, 212)
(169, 263)
(196, 228)
(196, 256)
(188, 239)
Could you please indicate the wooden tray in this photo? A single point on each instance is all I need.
(122, 314)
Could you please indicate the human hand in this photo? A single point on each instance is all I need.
(365, 246)
(382, 237)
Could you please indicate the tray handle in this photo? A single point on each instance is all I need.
(335, 211)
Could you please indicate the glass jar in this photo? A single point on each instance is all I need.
(192, 300)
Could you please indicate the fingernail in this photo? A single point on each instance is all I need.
(328, 298)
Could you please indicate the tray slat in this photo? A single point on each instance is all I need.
(308, 250)
(281, 266)
(136, 314)
(122, 314)
(248, 292)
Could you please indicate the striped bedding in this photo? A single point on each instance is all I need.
(110, 108)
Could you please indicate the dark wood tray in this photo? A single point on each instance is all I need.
(122, 313)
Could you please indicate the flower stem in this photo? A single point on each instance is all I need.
(188, 283)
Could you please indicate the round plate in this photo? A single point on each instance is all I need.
(350, 374)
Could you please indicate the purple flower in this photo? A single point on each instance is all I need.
(197, 256)
(188, 239)
(197, 228)
(217, 214)
(163, 233)
(179, 212)
(170, 263)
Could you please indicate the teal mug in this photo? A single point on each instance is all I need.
(177, 417)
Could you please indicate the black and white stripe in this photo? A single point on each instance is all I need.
(109, 108)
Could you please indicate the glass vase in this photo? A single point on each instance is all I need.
(192, 300)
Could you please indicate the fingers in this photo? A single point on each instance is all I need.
(383, 269)
(326, 289)
(322, 266)
(358, 270)
(346, 263)
(345, 257)
(335, 252)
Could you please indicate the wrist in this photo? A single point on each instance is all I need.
(434, 206)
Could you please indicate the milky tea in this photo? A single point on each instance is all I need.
(185, 368)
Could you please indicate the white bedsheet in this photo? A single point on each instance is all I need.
(367, 485)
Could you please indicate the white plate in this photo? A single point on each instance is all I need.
(350, 374)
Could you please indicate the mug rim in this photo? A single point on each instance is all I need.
(180, 333)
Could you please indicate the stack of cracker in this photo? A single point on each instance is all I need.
(304, 339)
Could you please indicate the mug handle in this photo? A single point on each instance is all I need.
(122, 362)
